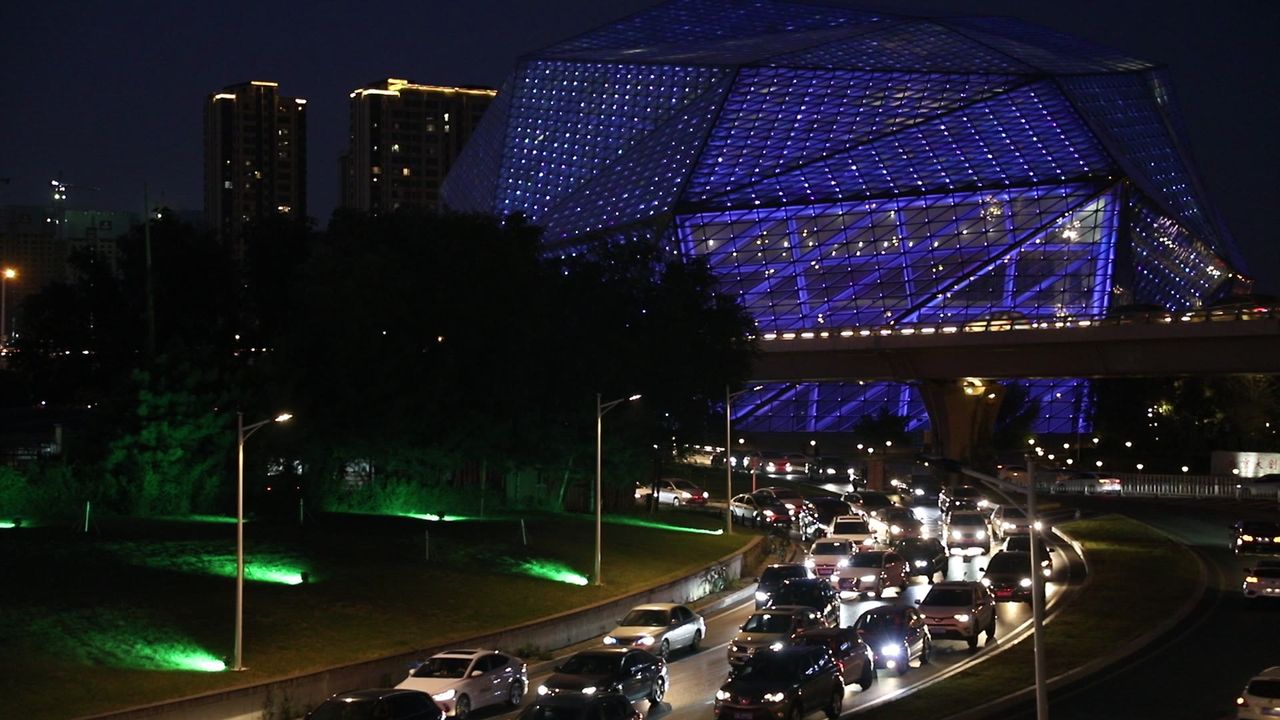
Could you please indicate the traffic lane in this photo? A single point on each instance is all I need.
(1197, 671)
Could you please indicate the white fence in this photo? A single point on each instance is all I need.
(1172, 486)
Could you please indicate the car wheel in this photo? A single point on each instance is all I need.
(658, 692)
(973, 641)
(462, 708)
(797, 711)
(675, 502)
(902, 586)
(991, 629)
(516, 695)
(664, 650)
(837, 703)
(868, 675)
(926, 649)
(696, 645)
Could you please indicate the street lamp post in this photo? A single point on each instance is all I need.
(6, 275)
(728, 452)
(601, 409)
(242, 433)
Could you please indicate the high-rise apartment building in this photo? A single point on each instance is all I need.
(404, 139)
(255, 158)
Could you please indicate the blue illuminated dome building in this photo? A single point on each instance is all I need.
(839, 168)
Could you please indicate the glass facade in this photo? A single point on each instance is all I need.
(842, 169)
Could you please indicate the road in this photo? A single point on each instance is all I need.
(1196, 671)
(696, 677)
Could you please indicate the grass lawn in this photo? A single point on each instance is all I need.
(119, 617)
(1108, 614)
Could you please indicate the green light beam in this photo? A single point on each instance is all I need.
(637, 522)
(550, 570)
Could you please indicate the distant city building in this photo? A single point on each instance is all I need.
(404, 138)
(255, 159)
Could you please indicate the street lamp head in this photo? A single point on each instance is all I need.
(10, 273)
(634, 397)
(284, 417)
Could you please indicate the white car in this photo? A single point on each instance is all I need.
(1260, 699)
(1263, 580)
(854, 528)
(829, 556)
(460, 681)
(659, 628)
(674, 492)
(1006, 521)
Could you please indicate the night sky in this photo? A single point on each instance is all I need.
(112, 93)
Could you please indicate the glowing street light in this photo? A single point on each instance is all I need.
(242, 433)
(728, 466)
(6, 275)
(601, 409)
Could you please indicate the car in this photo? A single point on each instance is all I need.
(598, 706)
(770, 463)
(893, 523)
(1022, 543)
(1255, 536)
(814, 593)
(660, 628)
(828, 556)
(924, 488)
(1089, 483)
(896, 634)
(867, 501)
(924, 556)
(1260, 699)
(1267, 486)
(853, 528)
(963, 497)
(771, 629)
(674, 492)
(959, 610)
(966, 532)
(749, 510)
(381, 703)
(1016, 474)
(827, 508)
(853, 656)
(460, 681)
(1007, 520)
(1008, 575)
(784, 684)
(786, 497)
(1262, 580)
(773, 576)
(636, 674)
(830, 468)
(871, 572)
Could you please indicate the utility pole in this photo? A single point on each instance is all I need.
(151, 301)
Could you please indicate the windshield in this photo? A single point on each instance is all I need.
(591, 664)
(768, 668)
(646, 618)
(685, 485)
(768, 623)
(851, 527)
(1265, 688)
(971, 520)
(868, 559)
(1010, 562)
(1023, 543)
(873, 623)
(799, 595)
(438, 667)
(948, 596)
(778, 574)
(834, 547)
(549, 712)
(343, 710)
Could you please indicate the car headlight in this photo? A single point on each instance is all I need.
(762, 596)
(1250, 579)
(868, 578)
(1024, 582)
(610, 640)
(918, 491)
(768, 513)
(1276, 539)
(956, 534)
(962, 617)
(775, 697)
(1006, 525)
(894, 529)
(831, 471)
(921, 563)
(983, 503)
(1047, 571)
(842, 562)
(982, 534)
(1247, 538)
(776, 645)
(685, 495)
(722, 695)
(543, 690)
(892, 650)
(1038, 524)
(645, 641)
(446, 695)
(808, 562)
(589, 690)
(986, 582)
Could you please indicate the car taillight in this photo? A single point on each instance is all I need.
(840, 666)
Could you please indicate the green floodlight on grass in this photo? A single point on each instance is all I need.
(637, 522)
(143, 653)
(280, 570)
(8, 524)
(432, 517)
(551, 570)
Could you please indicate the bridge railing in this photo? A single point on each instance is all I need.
(1168, 486)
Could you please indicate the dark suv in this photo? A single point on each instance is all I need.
(581, 707)
(814, 593)
(773, 577)
(784, 684)
(381, 703)
(964, 497)
(637, 674)
(853, 657)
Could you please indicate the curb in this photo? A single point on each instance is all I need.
(1098, 664)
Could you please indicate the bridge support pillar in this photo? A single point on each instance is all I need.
(962, 415)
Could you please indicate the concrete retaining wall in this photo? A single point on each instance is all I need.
(291, 697)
